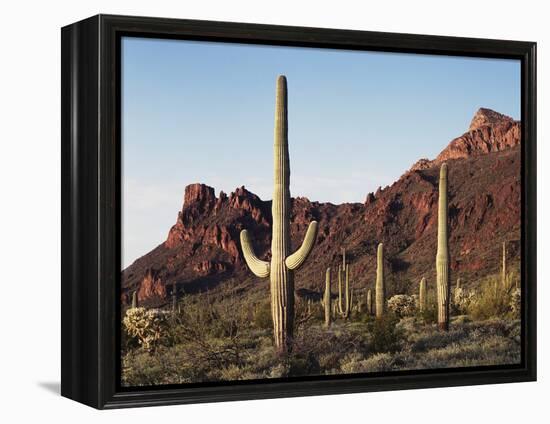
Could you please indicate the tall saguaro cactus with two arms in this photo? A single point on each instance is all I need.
(442, 257)
(283, 264)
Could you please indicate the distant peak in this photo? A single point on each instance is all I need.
(198, 192)
(486, 116)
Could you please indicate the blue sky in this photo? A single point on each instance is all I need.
(203, 112)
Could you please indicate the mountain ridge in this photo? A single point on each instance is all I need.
(202, 249)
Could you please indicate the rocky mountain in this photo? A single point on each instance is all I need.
(202, 250)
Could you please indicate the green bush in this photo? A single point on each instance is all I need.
(262, 316)
(385, 336)
(492, 300)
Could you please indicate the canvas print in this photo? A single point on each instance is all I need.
(300, 212)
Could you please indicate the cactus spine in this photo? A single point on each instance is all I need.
(134, 299)
(503, 264)
(370, 306)
(422, 295)
(442, 257)
(283, 263)
(380, 286)
(343, 273)
(326, 298)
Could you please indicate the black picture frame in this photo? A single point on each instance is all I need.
(91, 197)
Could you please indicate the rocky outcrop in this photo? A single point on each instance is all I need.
(203, 249)
(151, 286)
(489, 132)
(484, 117)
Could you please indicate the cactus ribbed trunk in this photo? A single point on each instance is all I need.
(343, 273)
(281, 278)
(380, 286)
(327, 299)
(504, 264)
(422, 295)
(134, 299)
(370, 307)
(442, 257)
(283, 263)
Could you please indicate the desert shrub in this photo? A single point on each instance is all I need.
(262, 316)
(352, 363)
(384, 334)
(301, 364)
(145, 325)
(164, 366)
(378, 363)
(356, 363)
(329, 360)
(492, 299)
(402, 305)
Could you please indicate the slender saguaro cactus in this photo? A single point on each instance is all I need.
(458, 283)
(380, 286)
(422, 295)
(174, 298)
(326, 298)
(503, 264)
(134, 299)
(344, 273)
(442, 257)
(283, 263)
(370, 306)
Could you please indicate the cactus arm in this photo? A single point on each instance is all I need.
(257, 266)
(295, 260)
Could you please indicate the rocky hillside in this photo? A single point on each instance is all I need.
(202, 249)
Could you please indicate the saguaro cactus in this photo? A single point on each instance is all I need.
(343, 273)
(422, 295)
(370, 306)
(326, 298)
(174, 298)
(442, 257)
(380, 286)
(503, 264)
(283, 263)
(134, 299)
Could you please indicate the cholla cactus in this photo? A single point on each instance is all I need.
(515, 301)
(380, 285)
(442, 257)
(146, 325)
(402, 305)
(283, 264)
(327, 298)
(422, 295)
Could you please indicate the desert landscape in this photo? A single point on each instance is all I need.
(424, 274)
